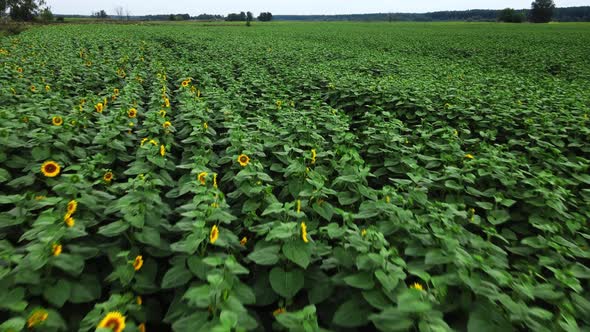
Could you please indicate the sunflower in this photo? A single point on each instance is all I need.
(143, 140)
(56, 249)
(19, 69)
(132, 113)
(167, 102)
(469, 156)
(279, 311)
(116, 91)
(166, 124)
(185, 83)
(202, 177)
(162, 150)
(304, 232)
(313, 155)
(99, 107)
(108, 176)
(243, 160)
(33, 88)
(72, 206)
(214, 180)
(153, 142)
(162, 113)
(139, 300)
(50, 169)
(138, 263)
(205, 125)
(47, 88)
(69, 220)
(57, 120)
(114, 320)
(141, 327)
(214, 234)
(243, 241)
(417, 286)
(37, 317)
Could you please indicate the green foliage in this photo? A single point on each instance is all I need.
(428, 177)
(541, 11)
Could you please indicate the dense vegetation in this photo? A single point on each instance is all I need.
(295, 176)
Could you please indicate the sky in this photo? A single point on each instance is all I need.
(287, 7)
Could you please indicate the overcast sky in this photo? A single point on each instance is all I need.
(195, 7)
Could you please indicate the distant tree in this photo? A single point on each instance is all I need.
(265, 17)
(127, 14)
(541, 11)
(510, 15)
(46, 15)
(101, 14)
(119, 12)
(172, 17)
(22, 10)
(236, 17)
(249, 18)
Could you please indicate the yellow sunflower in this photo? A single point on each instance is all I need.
(166, 124)
(139, 300)
(417, 286)
(33, 88)
(69, 220)
(243, 241)
(214, 180)
(114, 320)
(19, 69)
(167, 102)
(141, 327)
(37, 317)
(162, 150)
(279, 311)
(116, 91)
(143, 140)
(469, 156)
(72, 206)
(313, 155)
(57, 120)
(47, 88)
(243, 160)
(185, 83)
(205, 125)
(132, 113)
(214, 234)
(138, 263)
(162, 113)
(202, 177)
(56, 249)
(304, 232)
(50, 169)
(108, 176)
(99, 107)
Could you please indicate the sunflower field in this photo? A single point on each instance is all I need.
(295, 177)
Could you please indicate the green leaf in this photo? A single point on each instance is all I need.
(113, 229)
(265, 255)
(352, 313)
(298, 252)
(362, 280)
(286, 283)
(177, 276)
(58, 294)
(72, 264)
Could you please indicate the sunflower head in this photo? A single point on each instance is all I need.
(47, 88)
(116, 91)
(114, 320)
(99, 107)
(132, 113)
(364, 232)
(162, 113)
(57, 120)
(69, 220)
(33, 88)
(304, 232)
(19, 69)
(469, 156)
(214, 234)
(50, 169)
(166, 124)
(205, 125)
(243, 241)
(139, 300)
(108, 176)
(185, 83)
(56, 249)
(72, 206)
(166, 102)
(162, 150)
(244, 160)
(417, 286)
(279, 311)
(141, 327)
(138, 262)
(313, 155)
(202, 177)
(37, 317)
